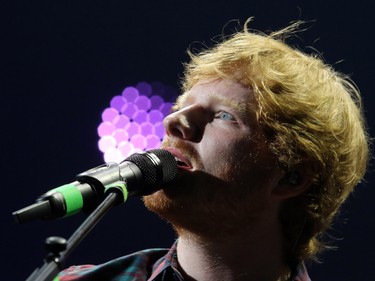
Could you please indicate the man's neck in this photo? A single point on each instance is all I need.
(250, 256)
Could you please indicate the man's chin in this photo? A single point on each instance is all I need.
(186, 188)
(171, 202)
(161, 204)
(165, 197)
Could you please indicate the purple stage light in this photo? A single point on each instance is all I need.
(159, 130)
(133, 122)
(121, 121)
(165, 108)
(133, 128)
(106, 129)
(109, 114)
(120, 136)
(139, 141)
(117, 102)
(153, 141)
(107, 142)
(147, 129)
(129, 109)
(144, 89)
(155, 116)
(140, 116)
(130, 94)
(156, 102)
(143, 103)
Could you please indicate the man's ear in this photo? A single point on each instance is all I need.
(296, 180)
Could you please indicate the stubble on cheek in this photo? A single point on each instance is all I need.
(221, 195)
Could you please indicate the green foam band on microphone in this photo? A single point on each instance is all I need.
(119, 185)
(73, 198)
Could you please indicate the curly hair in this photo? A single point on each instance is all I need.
(308, 111)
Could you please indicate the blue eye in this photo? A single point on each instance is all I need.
(225, 116)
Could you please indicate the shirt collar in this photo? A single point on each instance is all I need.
(170, 261)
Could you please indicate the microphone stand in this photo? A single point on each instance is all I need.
(60, 249)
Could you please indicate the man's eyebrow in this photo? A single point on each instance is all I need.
(243, 108)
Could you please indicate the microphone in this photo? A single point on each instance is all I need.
(142, 174)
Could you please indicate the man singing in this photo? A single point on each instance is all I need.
(270, 142)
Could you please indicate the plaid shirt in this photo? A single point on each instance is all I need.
(147, 265)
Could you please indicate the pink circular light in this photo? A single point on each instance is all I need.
(126, 148)
(106, 143)
(147, 128)
(159, 130)
(121, 121)
(109, 114)
(139, 141)
(120, 135)
(113, 155)
(153, 141)
(133, 122)
(106, 129)
(133, 129)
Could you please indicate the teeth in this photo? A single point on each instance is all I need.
(180, 162)
(178, 159)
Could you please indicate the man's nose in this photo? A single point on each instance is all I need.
(188, 123)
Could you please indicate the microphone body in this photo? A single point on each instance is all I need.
(142, 173)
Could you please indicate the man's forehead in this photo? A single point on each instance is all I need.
(229, 97)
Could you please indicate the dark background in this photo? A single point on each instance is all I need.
(62, 61)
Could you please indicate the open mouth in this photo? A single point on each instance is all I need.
(181, 160)
(182, 164)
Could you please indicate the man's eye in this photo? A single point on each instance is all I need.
(225, 116)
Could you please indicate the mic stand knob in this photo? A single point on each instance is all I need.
(55, 245)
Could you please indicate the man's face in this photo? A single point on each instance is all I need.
(226, 172)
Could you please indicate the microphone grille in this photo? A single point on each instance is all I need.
(168, 164)
(157, 166)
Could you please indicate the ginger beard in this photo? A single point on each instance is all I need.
(220, 200)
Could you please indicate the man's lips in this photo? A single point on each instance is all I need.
(182, 161)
